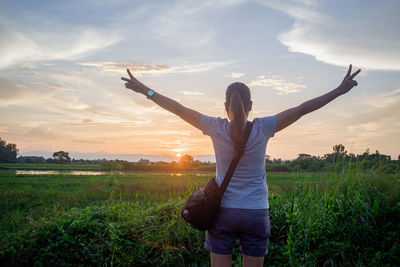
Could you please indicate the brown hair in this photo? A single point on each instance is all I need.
(238, 101)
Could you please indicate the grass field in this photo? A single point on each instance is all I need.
(350, 219)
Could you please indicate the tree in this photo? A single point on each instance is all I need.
(61, 157)
(339, 149)
(339, 153)
(186, 161)
(307, 162)
(304, 156)
(31, 159)
(8, 152)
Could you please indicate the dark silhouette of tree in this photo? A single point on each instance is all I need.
(186, 161)
(61, 157)
(31, 159)
(8, 152)
(339, 153)
(307, 162)
(339, 149)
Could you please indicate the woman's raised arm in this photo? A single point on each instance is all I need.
(189, 115)
(287, 117)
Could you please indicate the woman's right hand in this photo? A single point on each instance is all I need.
(348, 83)
(185, 213)
(134, 84)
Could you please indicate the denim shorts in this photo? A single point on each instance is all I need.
(251, 226)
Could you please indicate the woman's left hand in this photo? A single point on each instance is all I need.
(134, 84)
(348, 83)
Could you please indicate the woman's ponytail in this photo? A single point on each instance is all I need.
(238, 102)
(237, 124)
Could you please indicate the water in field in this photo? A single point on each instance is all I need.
(37, 172)
(44, 172)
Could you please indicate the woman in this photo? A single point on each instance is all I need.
(244, 206)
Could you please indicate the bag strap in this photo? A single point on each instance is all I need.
(235, 161)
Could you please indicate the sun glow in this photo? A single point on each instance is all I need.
(178, 155)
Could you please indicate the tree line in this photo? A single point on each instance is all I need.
(8, 152)
(338, 159)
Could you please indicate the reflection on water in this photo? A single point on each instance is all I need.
(197, 174)
(35, 172)
(44, 172)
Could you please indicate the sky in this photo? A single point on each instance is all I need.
(61, 63)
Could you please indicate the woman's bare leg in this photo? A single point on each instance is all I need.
(250, 261)
(218, 260)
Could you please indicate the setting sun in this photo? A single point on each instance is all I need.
(179, 155)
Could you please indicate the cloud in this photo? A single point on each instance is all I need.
(179, 25)
(235, 75)
(182, 144)
(191, 93)
(146, 122)
(27, 43)
(299, 9)
(136, 67)
(43, 132)
(383, 99)
(368, 37)
(277, 83)
(13, 93)
(85, 122)
(10, 90)
(189, 68)
(88, 141)
(378, 128)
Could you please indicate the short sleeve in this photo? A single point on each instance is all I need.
(210, 125)
(268, 125)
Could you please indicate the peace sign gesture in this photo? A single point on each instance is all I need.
(134, 84)
(348, 81)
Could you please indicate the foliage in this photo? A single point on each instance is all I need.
(346, 222)
(111, 233)
(336, 161)
(61, 157)
(186, 163)
(31, 159)
(8, 152)
(350, 218)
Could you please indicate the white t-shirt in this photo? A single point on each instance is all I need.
(248, 187)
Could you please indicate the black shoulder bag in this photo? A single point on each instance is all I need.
(203, 206)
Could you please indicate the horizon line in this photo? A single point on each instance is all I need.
(133, 157)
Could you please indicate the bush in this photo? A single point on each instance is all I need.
(112, 233)
(347, 219)
(352, 221)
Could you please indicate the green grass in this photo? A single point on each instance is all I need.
(350, 219)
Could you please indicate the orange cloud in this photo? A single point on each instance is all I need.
(133, 66)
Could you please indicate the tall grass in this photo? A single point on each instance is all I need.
(344, 221)
(343, 218)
